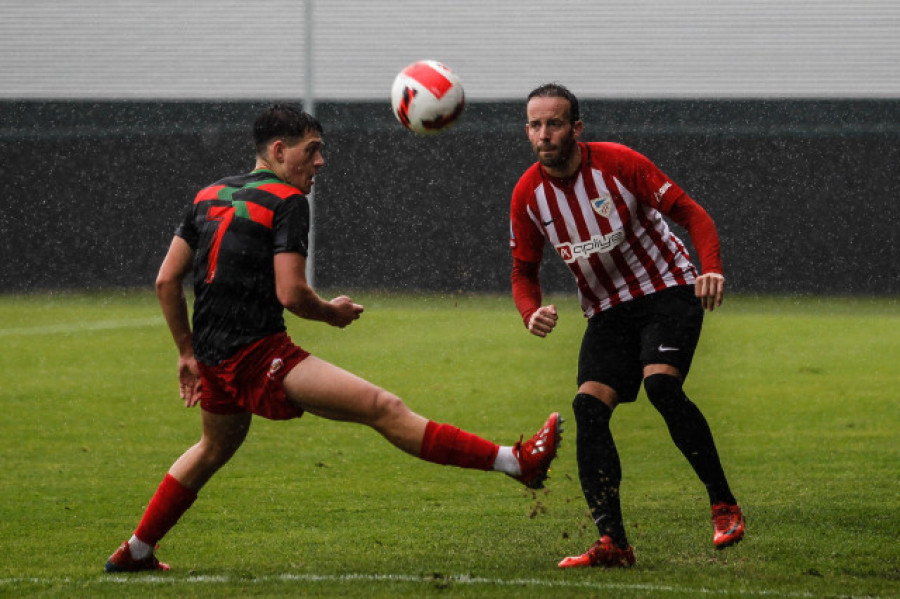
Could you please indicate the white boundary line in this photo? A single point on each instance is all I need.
(458, 579)
(97, 325)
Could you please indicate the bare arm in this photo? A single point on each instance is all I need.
(170, 292)
(300, 299)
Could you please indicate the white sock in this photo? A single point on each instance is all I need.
(139, 549)
(507, 461)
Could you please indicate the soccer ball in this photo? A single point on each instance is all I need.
(427, 97)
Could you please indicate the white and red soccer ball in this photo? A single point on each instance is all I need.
(427, 97)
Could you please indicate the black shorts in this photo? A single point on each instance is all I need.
(660, 328)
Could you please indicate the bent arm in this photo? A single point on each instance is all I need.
(710, 286)
(700, 226)
(526, 288)
(295, 294)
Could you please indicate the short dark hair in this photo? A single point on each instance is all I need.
(282, 121)
(558, 90)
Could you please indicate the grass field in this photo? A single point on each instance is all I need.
(801, 394)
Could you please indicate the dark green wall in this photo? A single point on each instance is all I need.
(803, 191)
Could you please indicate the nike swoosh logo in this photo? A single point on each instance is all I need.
(549, 222)
(663, 348)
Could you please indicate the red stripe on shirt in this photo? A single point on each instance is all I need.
(616, 255)
(562, 233)
(282, 190)
(632, 241)
(260, 214)
(208, 193)
(663, 248)
(594, 261)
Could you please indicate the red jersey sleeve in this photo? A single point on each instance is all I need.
(526, 287)
(691, 215)
(526, 241)
(658, 191)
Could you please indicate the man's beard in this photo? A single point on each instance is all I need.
(566, 147)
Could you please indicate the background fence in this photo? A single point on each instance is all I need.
(803, 191)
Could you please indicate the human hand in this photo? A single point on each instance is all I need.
(543, 321)
(710, 288)
(189, 380)
(344, 311)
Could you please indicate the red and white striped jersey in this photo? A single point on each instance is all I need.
(606, 224)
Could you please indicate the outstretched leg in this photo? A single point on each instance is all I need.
(331, 392)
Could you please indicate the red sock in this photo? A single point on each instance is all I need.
(172, 499)
(446, 444)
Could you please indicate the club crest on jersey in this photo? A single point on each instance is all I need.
(598, 244)
(602, 205)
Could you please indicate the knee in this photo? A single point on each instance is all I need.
(215, 452)
(664, 391)
(387, 407)
(589, 409)
(212, 456)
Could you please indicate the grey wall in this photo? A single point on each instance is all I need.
(216, 49)
(803, 191)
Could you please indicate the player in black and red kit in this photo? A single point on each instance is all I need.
(600, 206)
(245, 241)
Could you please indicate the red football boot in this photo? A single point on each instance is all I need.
(536, 453)
(603, 553)
(729, 524)
(122, 561)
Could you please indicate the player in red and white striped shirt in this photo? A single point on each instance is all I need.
(601, 207)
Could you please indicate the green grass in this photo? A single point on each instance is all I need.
(801, 394)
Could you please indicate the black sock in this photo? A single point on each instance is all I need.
(691, 434)
(598, 466)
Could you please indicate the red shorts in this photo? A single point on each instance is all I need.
(252, 380)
